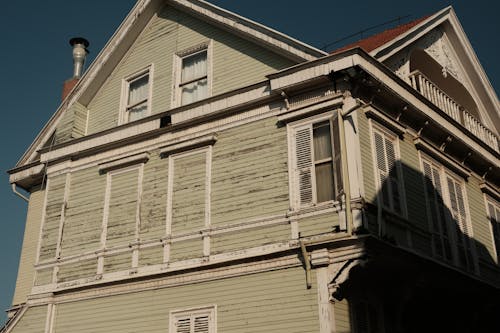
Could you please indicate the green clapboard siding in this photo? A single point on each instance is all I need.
(26, 270)
(151, 256)
(154, 198)
(32, 321)
(342, 317)
(77, 270)
(366, 159)
(236, 63)
(118, 262)
(479, 220)
(248, 238)
(187, 249)
(189, 192)
(276, 301)
(43, 276)
(320, 224)
(50, 231)
(83, 220)
(122, 208)
(72, 124)
(249, 173)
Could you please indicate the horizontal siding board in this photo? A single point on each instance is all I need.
(118, 262)
(83, 220)
(248, 238)
(316, 225)
(151, 256)
(77, 270)
(32, 321)
(274, 301)
(27, 260)
(249, 173)
(188, 249)
(189, 193)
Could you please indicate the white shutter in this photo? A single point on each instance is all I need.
(196, 321)
(303, 160)
(388, 174)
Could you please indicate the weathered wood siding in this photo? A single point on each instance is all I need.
(122, 209)
(26, 271)
(83, 220)
(274, 301)
(33, 321)
(189, 194)
(236, 63)
(50, 232)
(342, 316)
(249, 173)
(72, 124)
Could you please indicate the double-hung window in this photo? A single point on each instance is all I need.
(388, 170)
(136, 96)
(446, 204)
(316, 168)
(494, 218)
(193, 74)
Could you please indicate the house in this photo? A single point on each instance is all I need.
(208, 174)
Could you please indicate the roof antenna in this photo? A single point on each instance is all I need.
(79, 54)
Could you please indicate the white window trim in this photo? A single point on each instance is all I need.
(207, 151)
(490, 200)
(292, 181)
(123, 117)
(445, 172)
(177, 69)
(211, 310)
(375, 127)
(105, 218)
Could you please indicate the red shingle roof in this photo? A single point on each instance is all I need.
(371, 43)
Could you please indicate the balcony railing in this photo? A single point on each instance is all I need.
(429, 90)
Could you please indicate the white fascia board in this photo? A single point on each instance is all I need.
(27, 173)
(254, 30)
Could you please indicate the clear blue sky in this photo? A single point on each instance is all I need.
(36, 59)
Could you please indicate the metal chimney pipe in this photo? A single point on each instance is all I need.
(79, 54)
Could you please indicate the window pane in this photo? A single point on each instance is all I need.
(324, 182)
(138, 90)
(137, 112)
(194, 66)
(322, 141)
(194, 91)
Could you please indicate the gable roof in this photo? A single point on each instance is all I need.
(387, 43)
(375, 41)
(131, 27)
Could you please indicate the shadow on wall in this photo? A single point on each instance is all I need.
(424, 273)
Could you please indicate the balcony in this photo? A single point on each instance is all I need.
(430, 91)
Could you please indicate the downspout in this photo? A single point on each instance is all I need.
(342, 114)
(16, 192)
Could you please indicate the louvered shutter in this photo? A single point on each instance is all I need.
(494, 215)
(201, 324)
(462, 228)
(387, 172)
(382, 169)
(193, 323)
(304, 166)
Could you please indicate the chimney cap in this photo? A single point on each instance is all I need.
(79, 40)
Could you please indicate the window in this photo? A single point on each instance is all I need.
(316, 167)
(200, 320)
(388, 171)
(193, 78)
(137, 96)
(494, 218)
(446, 205)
